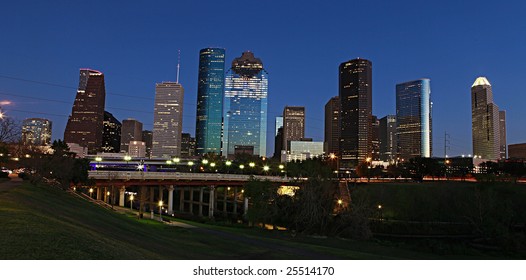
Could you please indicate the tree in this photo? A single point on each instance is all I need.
(10, 130)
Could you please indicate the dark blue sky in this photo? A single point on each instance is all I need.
(301, 43)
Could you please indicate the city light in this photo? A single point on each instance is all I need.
(228, 163)
(176, 160)
(251, 164)
(127, 158)
(98, 159)
(266, 168)
(205, 161)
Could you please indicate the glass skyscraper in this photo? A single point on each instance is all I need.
(413, 119)
(210, 93)
(245, 107)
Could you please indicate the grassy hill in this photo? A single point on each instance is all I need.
(40, 222)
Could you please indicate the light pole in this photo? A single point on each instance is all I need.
(161, 210)
(190, 163)
(241, 166)
(91, 192)
(131, 202)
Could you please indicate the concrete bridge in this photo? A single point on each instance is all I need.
(202, 194)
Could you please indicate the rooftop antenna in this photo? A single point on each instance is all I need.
(178, 65)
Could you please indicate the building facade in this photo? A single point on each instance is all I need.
(167, 120)
(245, 106)
(131, 131)
(332, 126)
(137, 149)
(485, 128)
(147, 138)
(85, 124)
(517, 151)
(111, 136)
(302, 150)
(387, 137)
(210, 93)
(413, 119)
(36, 132)
(293, 125)
(502, 135)
(188, 145)
(355, 93)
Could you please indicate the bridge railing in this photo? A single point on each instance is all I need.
(139, 175)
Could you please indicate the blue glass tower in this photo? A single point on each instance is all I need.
(210, 92)
(245, 108)
(413, 119)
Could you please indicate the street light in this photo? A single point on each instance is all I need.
(266, 168)
(131, 202)
(108, 196)
(251, 164)
(160, 210)
(127, 158)
(90, 192)
(98, 159)
(205, 161)
(190, 164)
(176, 160)
(340, 202)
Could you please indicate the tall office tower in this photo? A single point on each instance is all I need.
(245, 121)
(502, 134)
(210, 92)
(131, 131)
(84, 125)
(375, 141)
(147, 139)
(167, 120)
(293, 125)
(279, 123)
(387, 137)
(111, 136)
(278, 143)
(188, 145)
(332, 126)
(413, 119)
(356, 105)
(484, 121)
(36, 132)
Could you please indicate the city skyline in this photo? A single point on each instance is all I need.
(131, 61)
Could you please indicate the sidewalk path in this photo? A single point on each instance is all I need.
(14, 182)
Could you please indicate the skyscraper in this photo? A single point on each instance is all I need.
(485, 121)
(111, 136)
(245, 107)
(36, 132)
(413, 119)
(210, 93)
(279, 123)
(375, 140)
(131, 131)
(188, 144)
(502, 134)
(355, 93)
(293, 125)
(387, 136)
(84, 125)
(332, 126)
(167, 120)
(147, 139)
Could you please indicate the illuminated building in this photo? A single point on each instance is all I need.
(210, 93)
(413, 119)
(167, 120)
(111, 136)
(387, 137)
(332, 126)
(485, 121)
(36, 132)
(356, 105)
(85, 124)
(131, 130)
(245, 106)
(293, 125)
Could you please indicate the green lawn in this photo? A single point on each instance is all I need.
(46, 223)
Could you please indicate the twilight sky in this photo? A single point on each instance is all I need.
(301, 44)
